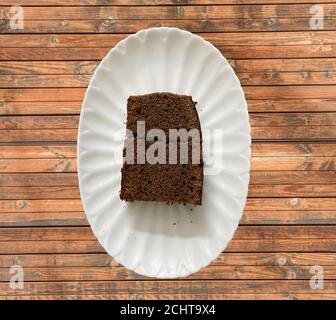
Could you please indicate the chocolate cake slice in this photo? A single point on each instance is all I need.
(163, 150)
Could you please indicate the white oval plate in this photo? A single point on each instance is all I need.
(155, 239)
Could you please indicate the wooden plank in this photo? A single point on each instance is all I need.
(45, 108)
(322, 39)
(289, 204)
(240, 66)
(265, 204)
(252, 52)
(146, 2)
(104, 260)
(58, 67)
(51, 274)
(259, 149)
(229, 52)
(286, 119)
(256, 120)
(169, 12)
(281, 65)
(41, 95)
(225, 259)
(163, 296)
(273, 259)
(171, 287)
(42, 205)
(58, 218)
(55, 233)
(64, 192)
(57, 151)
(39, 122)
(52, 53)
(309, 127)
(53, 41)
(38, 165)
(292, 177)
(273, 217)
(272, 178)
(41, 247)
(196, 26)
(74, 107)
(292, 163)
(257, 164)
(74, 246)
(243, 233)
(290, 92)
(63, 81)
(41, 135)
(303, 133)
(255, 217)
(260, 79)
(268, 149)
(290, 105)
(39, 180)
(255, 191)
(251, 93)
(276, 232)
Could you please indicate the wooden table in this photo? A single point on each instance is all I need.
(288, 74)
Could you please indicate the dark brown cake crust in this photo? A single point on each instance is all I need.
(180, 183)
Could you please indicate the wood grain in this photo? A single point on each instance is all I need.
(272, 178)
(288, 75)
(239, 65)
(259, 149)
(168, 12)
(242, 233)
(190, 296)
(252, 204)
(220, 40)
(82, 80)
(229, 51)
(75, 246)
(307, 133)
(168, 287)
(251, 92)
(163, 296)
(255, 191)
(250, 217)
(224, 259)
(145, 2)
(212, 272)
(257, 163)
(111, 25)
